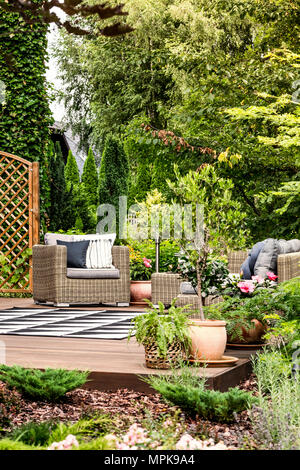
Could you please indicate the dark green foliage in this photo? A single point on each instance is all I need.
(209, 404)
(49, 385)
(61, 213)
(90, 178)
(71, 171)
(33, 433)
(114, 173)
(25, 115)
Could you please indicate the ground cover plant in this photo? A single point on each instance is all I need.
(276, 417)
(49, 385)
(187, 390)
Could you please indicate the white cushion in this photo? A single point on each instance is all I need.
(51, 238)
(99, 253)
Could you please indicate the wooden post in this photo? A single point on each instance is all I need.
(35, 204)
(34, 211)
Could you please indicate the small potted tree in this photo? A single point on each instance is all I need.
(220, 228)
(164, 335)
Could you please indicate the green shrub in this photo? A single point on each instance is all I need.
(209, 404)
(49, 385)
(276, 419)
(33, 434)
(85, 427)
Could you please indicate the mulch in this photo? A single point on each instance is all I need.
(128, 407)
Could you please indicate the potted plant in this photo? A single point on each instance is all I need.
(214, 275)
(221, 229)
(246, 323)
(140, 277)
(164, 335)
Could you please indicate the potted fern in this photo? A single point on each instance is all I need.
(164, 335)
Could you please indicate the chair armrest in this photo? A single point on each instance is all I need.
(235, 260)
(165, 287)
(288, 266)
(49, 261)
(120, 258)
(49, 274)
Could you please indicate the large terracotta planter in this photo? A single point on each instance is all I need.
(140, 290)
(208, 339)
(251, 336)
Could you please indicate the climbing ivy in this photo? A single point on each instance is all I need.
(24, 109)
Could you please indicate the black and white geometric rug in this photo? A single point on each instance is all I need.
(67, 323)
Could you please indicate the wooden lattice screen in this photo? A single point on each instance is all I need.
(19, 221)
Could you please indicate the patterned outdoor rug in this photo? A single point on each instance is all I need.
(68, 323)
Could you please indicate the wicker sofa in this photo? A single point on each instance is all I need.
(51, 282)
(166, 286)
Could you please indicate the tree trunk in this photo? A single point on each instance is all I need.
(199, 290)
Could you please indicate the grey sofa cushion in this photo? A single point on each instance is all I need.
(247, 268)
(187, 288)
(267, 258)
(78, 273)
(289, 246)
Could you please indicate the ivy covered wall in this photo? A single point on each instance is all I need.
(24, 113)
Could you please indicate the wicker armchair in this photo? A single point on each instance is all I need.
(51, 284)
(166, 286)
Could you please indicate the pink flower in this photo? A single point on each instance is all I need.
(272, 276)
(147, 262)
(67, 444)
(247, 287)
(258, 279)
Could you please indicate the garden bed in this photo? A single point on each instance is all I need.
(127, 407)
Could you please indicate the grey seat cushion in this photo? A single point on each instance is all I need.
(79, 273)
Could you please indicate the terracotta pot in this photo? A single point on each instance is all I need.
(250, 336)
(208, 339)
(140, 290)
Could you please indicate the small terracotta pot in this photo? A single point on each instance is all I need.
(140, 290)
(253, 335)
(208, 339)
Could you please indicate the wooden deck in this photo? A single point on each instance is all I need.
(113, 364)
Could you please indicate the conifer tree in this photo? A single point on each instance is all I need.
(71, 171)
(61, 207)
(90, 178)
(114, 174)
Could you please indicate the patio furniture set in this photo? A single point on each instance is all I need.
(54, 282)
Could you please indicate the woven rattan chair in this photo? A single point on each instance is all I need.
(166, 286)
(51, 283)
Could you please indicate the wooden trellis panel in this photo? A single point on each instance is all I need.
(19, 221)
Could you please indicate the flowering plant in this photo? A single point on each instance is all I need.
(235, 286)
(140, 267)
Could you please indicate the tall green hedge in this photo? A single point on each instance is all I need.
(25, 115)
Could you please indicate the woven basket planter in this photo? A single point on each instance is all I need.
(155, 361)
